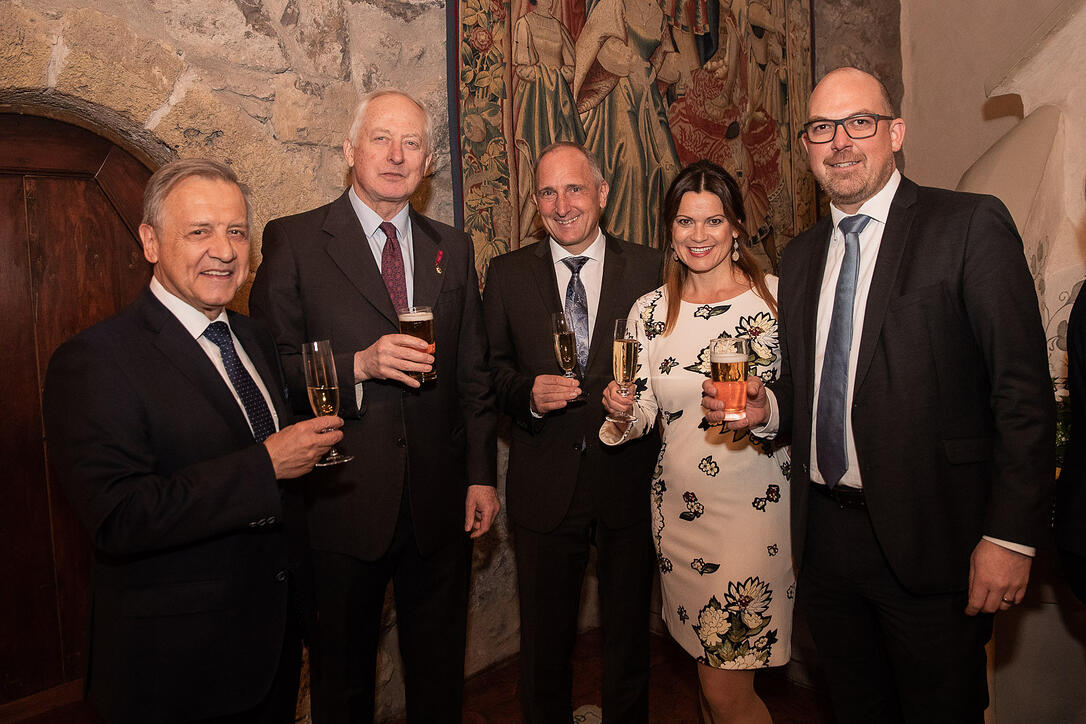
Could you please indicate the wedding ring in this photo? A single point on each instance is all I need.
(1009, 603)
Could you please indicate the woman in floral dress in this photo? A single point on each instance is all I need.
(719, 498)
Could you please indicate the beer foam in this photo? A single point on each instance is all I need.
(728, 357)
(415, 316)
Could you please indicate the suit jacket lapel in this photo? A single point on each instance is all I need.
(815, 269)
(894, 239)
(614, 265)
(426, 245)
(351, 253)
(545, 280)
(185, 354)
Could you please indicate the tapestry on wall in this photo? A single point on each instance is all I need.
(648, 86)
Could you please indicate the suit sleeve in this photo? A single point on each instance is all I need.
(276, 299)
(512, 387)
(475, 383)
(103, 435)
(1001, 305)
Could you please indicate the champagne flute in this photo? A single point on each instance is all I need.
(624, 363)
(565, 347)
(323, 389)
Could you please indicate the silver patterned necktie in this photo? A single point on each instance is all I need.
(577, 308)
(833, 388)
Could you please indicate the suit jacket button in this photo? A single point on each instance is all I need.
(272, 520)
(400, 442)
(281, 576)
(253, 524)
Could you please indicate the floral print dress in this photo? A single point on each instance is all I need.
(720, 514)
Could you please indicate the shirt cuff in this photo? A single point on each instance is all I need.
(771, 426)
(358, 395)
(1016, 547)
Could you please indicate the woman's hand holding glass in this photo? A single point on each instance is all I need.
(618, 405)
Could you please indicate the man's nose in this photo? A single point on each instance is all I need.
(840, 139)
(222, 248)
(395, 153)
(561, 205)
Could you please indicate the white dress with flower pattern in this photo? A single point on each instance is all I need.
(719, 499)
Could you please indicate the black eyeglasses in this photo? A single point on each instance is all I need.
(861, 125)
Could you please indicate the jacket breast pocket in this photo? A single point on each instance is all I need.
(918, 296)
(176, 599)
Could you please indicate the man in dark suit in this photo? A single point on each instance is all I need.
(161, 422)
(915, 393)
(424, 470)
(1071, 491)
(565, 490)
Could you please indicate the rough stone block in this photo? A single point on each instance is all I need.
(240, 31)
(315, 35)
(26, 46)
(109, 63)
(310, 113)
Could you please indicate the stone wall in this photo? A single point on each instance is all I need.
(267, 86)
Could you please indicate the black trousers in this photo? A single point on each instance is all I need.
(888, 655)
(431, 594)
(550, 572)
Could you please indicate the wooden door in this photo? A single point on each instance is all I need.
(70, 207)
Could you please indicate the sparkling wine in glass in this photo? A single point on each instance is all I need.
(565, 347)
(323, 389)
(624, 362)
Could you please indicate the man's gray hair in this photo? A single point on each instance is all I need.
(360, 115)
(164, 180)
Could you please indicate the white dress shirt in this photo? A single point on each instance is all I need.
(195, 322)
(878, 208)
(371, 226)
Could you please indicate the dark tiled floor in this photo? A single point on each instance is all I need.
(490, 696)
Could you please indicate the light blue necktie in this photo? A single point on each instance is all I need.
(256, 408)
(577, 308)
(833, 388)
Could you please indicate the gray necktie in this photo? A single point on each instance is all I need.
(577, 308)
(833, 388)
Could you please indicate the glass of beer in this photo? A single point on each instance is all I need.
(728, 358)
(419, 322)
(565, 347)
(323, 389)
(624, 362)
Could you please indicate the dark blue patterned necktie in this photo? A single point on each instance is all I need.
(577, 308)
(833, 389)
(256, 408)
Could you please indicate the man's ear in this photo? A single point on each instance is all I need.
(149, 241)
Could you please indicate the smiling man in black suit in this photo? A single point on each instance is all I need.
(422, 482)
(169, 432)
(914, 390)
(565, 490)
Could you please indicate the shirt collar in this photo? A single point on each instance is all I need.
(191, 318)
(370, 219)
(877, 207)
(594, 251)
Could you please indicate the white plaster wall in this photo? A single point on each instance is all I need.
(949, 48)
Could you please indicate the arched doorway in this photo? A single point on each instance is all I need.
(70, 207)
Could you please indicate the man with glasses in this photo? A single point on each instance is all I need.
(914, 391)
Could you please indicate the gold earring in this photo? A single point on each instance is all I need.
(735, 248)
